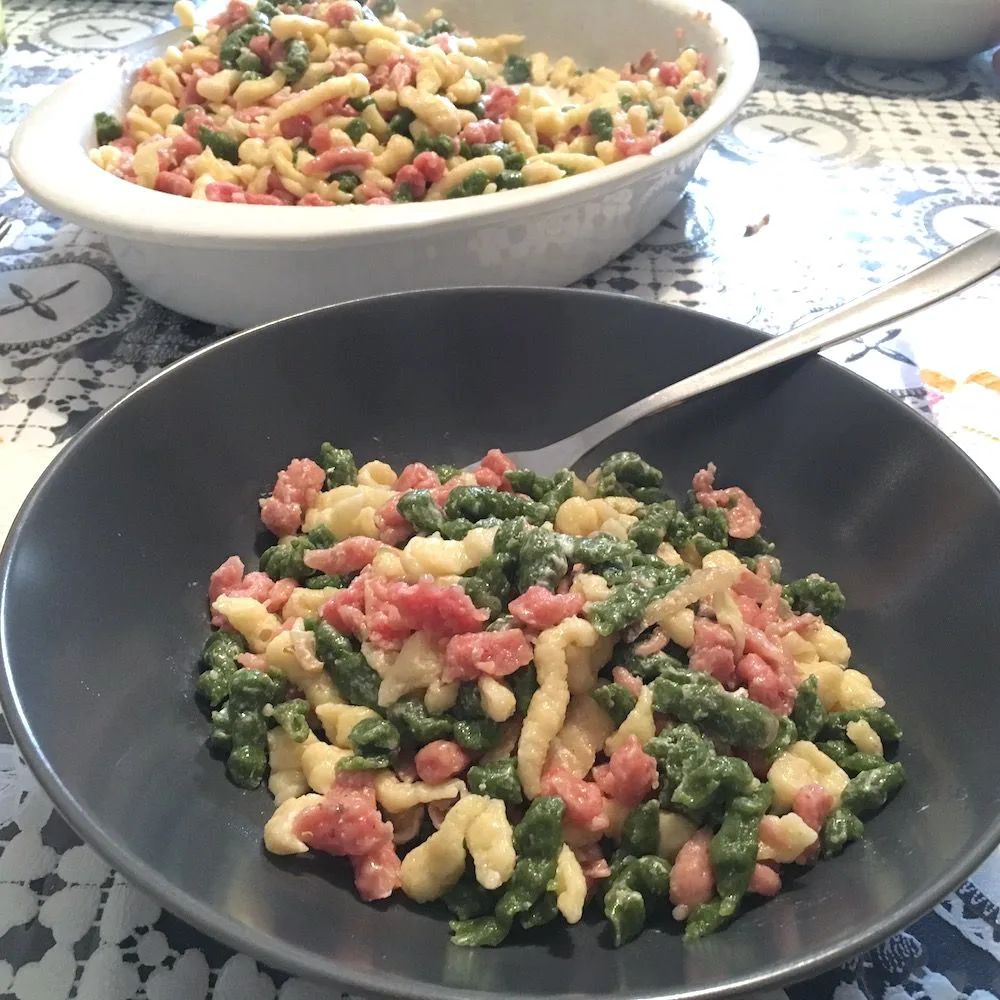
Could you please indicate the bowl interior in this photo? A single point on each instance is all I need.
(103, 599)
(566, 27)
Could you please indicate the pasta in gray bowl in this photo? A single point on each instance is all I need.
(132, 519)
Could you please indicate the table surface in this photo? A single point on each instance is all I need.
(864, 171)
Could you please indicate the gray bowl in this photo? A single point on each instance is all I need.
(103, 601)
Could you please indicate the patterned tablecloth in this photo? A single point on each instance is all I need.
(863, 171)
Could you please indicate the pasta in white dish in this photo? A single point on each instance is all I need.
(331, 102)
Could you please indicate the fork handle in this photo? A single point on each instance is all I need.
(950, 273)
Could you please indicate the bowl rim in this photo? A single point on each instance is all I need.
(317, 968)
(56, 171)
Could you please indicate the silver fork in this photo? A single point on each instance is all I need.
(950, 273)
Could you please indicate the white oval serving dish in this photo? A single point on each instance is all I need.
(912, 30)
(240, 265)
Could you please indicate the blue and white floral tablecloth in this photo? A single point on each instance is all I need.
(862, 170)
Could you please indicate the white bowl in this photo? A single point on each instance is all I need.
(920, 30)
(240, 265)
